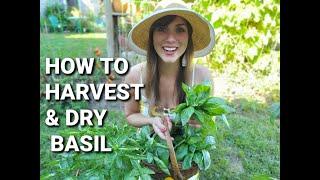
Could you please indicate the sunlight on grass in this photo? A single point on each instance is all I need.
(86, 36)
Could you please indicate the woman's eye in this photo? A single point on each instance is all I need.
(179, 30)
(161, 29)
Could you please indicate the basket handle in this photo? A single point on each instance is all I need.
(163, 112)
(174, 163)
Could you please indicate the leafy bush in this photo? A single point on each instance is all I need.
(56, 11)
(88, 23)
(247, 33)
(59, 12)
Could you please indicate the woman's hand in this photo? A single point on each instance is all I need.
(159, 127)
(194, 123)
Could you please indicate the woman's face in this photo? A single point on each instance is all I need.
(171, 41)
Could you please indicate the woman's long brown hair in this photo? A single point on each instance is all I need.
(153, 59)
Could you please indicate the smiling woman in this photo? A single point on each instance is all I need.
(171, 41)
(169, 37)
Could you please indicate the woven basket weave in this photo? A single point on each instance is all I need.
(160, 175)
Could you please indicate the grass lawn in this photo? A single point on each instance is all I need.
(71, 45)
(249, 149)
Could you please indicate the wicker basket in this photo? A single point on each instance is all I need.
(160, 175)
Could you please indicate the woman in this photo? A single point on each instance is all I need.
(169, 37)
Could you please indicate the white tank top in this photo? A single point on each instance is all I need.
(145, 103)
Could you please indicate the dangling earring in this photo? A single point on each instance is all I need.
(184, 61)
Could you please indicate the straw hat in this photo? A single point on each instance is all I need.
(203, 33)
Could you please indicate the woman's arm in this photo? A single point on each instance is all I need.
(204, 74)
(132, 107)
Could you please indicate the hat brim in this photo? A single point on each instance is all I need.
(203, 35)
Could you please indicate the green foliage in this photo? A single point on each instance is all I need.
(199, 105)
(247, 33)
(253, 140)
(129, 148)
(56, 11)
(71, 20)
(88, 24)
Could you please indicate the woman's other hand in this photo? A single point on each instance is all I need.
(159, 127)
(194, 123)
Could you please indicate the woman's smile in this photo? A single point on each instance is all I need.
(169, 50)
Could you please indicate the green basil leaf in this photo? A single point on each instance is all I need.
(192, 148)
(216, 106)
(133, 173)
(215, 110)
(215, 101)
(186, 114)
(163, 154)
(187, 162)
(181, 152)
(146, 171)
(180, 107)
(115, 174)
(209, 127)
(141, 170)
(195, 140)
(161, 165)
(198, 159)
(149, 157)
(135, 156)
(201, 101)
(206, 159)
(119, 163)
(177, 118)
(159, 145)
(149, 142)
(110, 158)
(146, 177)
(145, 132)
(202, 88)
(185, 88)
(191, 99)
(201, 115)
(128, 177)
(202, 92)
(190, 131)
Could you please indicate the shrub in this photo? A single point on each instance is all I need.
(56, 11)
